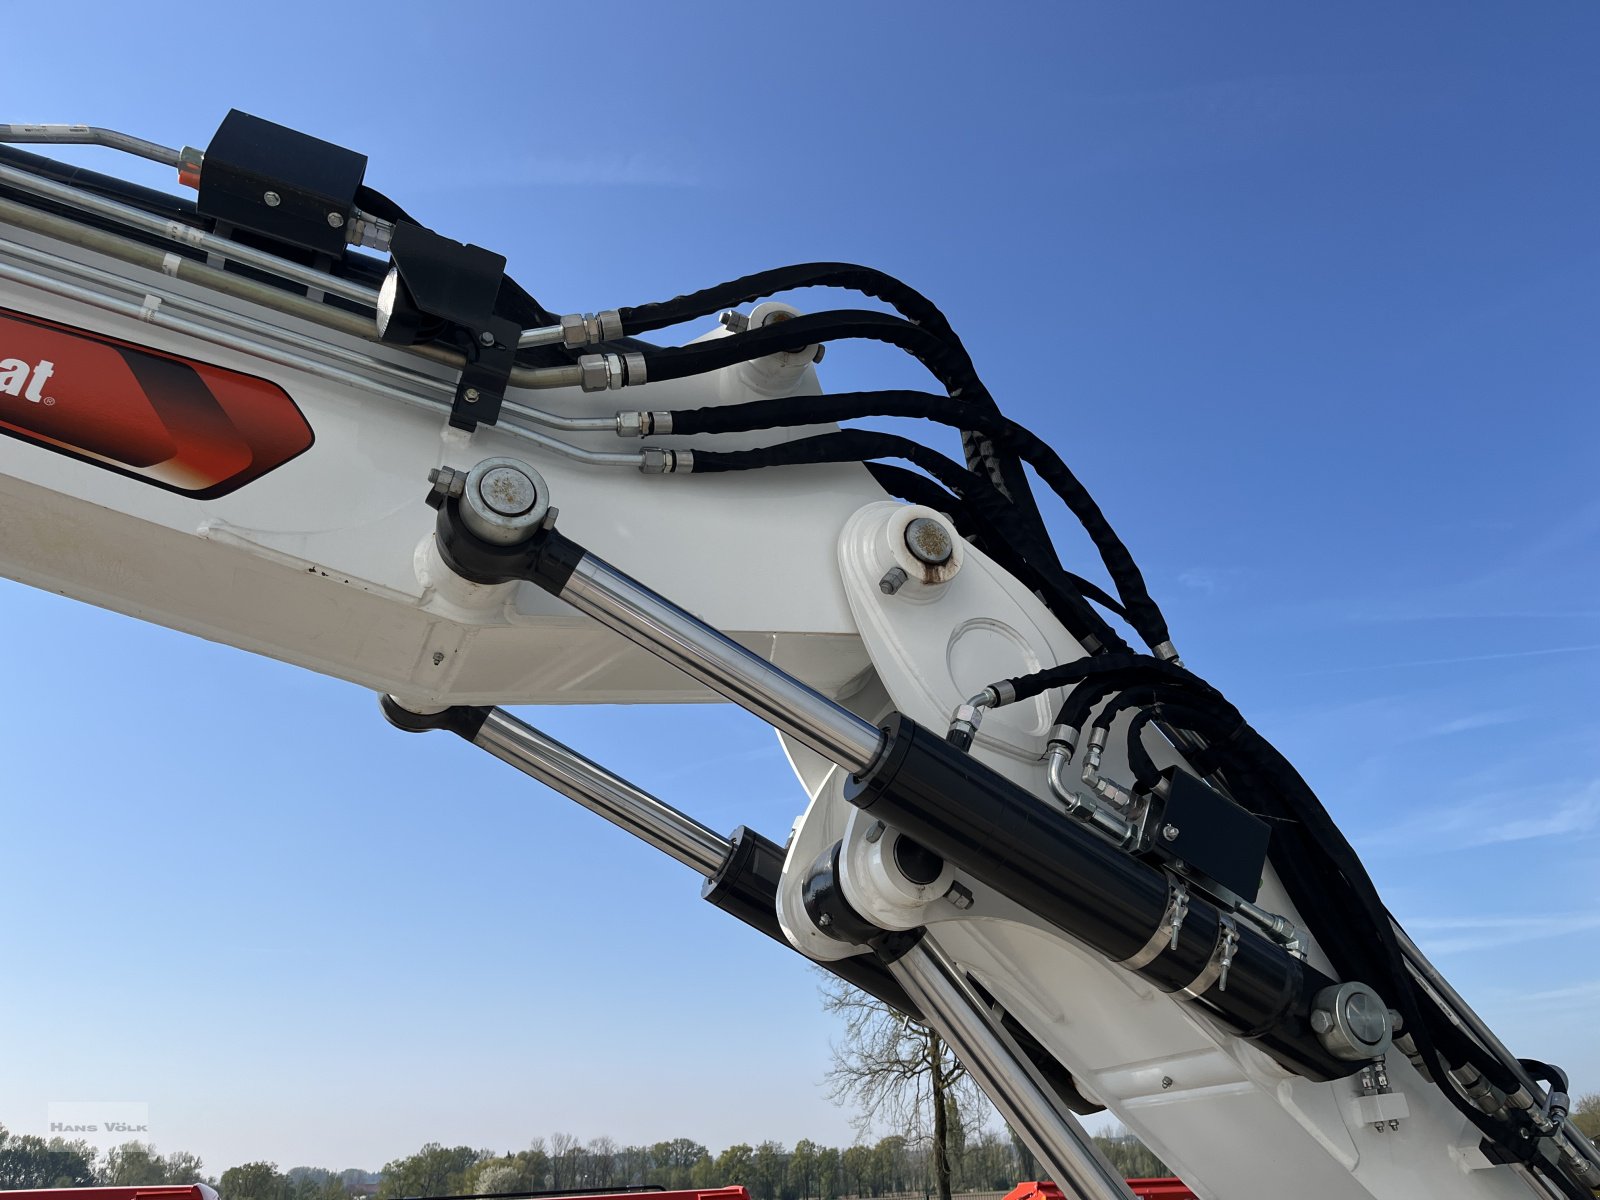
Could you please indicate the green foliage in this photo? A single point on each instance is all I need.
(1586, 1115)
(1130, 1156)
(254, 1181)
(434, 1170)
(27, 1161)
(734, 1164)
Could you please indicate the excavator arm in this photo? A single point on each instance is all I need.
(284, 415)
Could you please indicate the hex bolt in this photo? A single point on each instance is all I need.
(336, 220)
(470, 395)
(486, 338)
(893, 580)
(272, 199)
(1170, 832)
(735, 322)
(1166, 1082)
(447, 481)
(929, 541)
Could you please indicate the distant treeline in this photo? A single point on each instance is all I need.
(983, 1161)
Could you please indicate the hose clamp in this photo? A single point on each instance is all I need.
(1166, 934)
(1216, 970)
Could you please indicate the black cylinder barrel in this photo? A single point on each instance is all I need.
(1053, 866)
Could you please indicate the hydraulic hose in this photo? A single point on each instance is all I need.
(1002, 468)
(910, 303)
(1143, 612)
(919, 489)
(984, 499)
(1175, 715)
(678, 362)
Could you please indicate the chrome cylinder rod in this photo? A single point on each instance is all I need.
(618, 602)
(627, 807)
(1054, 1135)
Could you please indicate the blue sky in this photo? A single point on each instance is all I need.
(1307, 296)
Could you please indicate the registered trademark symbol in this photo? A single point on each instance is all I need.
(49, 399)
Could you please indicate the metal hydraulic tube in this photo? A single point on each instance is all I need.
(1027, 1103)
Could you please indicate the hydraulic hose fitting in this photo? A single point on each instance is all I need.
(643, 424)
(605, 372)
(968, 716)
(590, 329)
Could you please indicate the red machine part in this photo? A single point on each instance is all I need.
(1145, 1189)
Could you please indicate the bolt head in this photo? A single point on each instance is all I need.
(1166, 1082)
(486, 338)
(929, 541)
(507, 491)
(470, 395)
(272, 199)
(336, 220)
(893, 580)
(1170, 832)
(1321, 1021)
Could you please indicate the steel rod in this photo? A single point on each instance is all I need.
(626, 806)
(1054, 1135)
(618, 602)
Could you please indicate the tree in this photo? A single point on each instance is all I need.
(897, 1070)
(497, 1175)
(827, 1173)
(1586, 1115)
(253, 1181)
(432, 1171)
(132, 1164)
(182, 1167)
(803, 1168)
(856, 1162)
(27, 1161)
(734, 1163)
(564, 1153)
(1131, 1157)
(766, 1171)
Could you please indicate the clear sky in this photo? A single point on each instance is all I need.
(1306, 294)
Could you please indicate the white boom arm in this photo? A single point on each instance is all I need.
(236, 454)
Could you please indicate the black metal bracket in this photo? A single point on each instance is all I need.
(482, 387)
(443, 285)
(280, 183)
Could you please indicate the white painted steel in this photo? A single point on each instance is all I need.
(328, 562)
(1206, 1101)
(315, 563)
